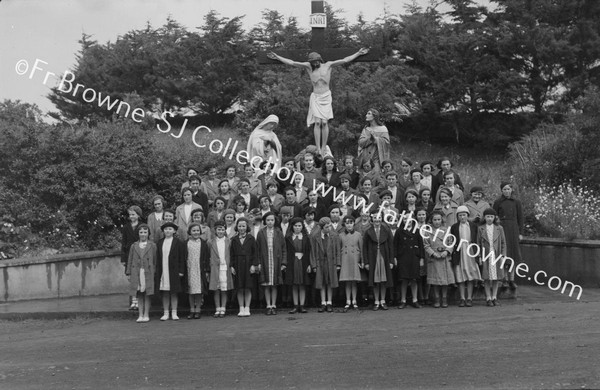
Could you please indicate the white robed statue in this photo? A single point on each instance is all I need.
(263, 142)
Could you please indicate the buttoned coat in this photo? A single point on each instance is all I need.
(385, 244)
(499, 247)
(177, 264)
(279, 255)
(325, 261)
(141, 258)
(215, 264)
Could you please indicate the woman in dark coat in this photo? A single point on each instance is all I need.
(244, 264)
(379, 255)
(171, 260)
(298, 263)
(510, 212)
(410, 256)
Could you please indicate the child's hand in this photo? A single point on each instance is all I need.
(308, 270)
(283, 267)
(180, 275)
(391, 265)
(338, 267)
(421, 262)
(233, 271)
(367, 267)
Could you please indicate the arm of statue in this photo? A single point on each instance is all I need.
(287, 61)
(351, 58)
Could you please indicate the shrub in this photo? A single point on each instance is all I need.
(568, 211)
(69, 188)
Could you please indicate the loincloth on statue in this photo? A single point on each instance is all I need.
(319, 108)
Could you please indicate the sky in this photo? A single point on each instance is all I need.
(46, 32)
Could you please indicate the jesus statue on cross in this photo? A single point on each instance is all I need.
(319, 110)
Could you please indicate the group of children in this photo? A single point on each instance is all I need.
(269, 234)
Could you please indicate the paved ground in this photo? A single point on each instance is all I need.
(541, 340)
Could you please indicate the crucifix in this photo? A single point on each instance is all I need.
(320, 109)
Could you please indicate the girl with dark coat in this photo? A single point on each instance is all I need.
(379, 259)
(410, 256)
(244, 263)
(170, 268)
(298, 263)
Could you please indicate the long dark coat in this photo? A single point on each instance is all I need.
(141, 258)
(326, 261)
(177, 264)
(409, 250)
(510, 213)
(129, 237)
(279, 255)
(297, 267)
(385, 245)
(243, 256)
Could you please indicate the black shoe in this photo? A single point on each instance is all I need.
(489, 303)
(268, 311)
(321, 309)
(416, 305)
(384, 306)
(294, 310)
(496, 302)
(303, 310)
(512, 285)
(273, 311)
(469, 303)
(329, 309)
(402, 305)
(461, 303)
(376, 307)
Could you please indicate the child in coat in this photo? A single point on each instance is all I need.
(352, 261)
(439, 269)
(492, 243)
(170, 268)
(298, 264)
(197, 268)
(221, 280)
(272, 260)
(141, 265)
(325, 262)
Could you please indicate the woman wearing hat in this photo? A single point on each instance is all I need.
(129, 236)
(476, 205)
(170, 268)
(510, 213)
(374, 141)
(492, 243)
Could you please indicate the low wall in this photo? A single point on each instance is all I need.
(576, 261)
(60, 276)
(100, 272)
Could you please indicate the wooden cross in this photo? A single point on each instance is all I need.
(317, 43)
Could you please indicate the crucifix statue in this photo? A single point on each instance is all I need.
(320, 109)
